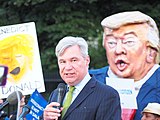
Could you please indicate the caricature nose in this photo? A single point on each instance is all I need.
(120, 48)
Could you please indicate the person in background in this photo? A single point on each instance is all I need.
(12, 116)
(131, 41)
(91, 99)
(151, 112)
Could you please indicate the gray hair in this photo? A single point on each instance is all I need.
(69, 41)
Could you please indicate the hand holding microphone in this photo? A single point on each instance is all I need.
(56, 97)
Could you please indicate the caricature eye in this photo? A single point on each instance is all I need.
(129, 41)
(111, 41)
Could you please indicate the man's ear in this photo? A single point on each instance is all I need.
(151, 55)
(88, 60)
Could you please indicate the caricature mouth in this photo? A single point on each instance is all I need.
(15, 71)
(121, 64)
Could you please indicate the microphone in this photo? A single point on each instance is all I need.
(3, 114)
(11, 99)
(61, 90)
(25, 110)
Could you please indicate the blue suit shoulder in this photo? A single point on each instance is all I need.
(158, 69)
(100, 74)
(99, 71)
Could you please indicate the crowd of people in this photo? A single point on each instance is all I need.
(131, 41)
(132, 44)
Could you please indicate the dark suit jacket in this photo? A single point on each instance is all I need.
(96, 101)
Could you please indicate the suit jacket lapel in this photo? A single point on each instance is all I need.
(146, 88)
(143, 92)
(86, 91)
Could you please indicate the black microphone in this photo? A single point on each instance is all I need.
(11, 99)
(61, 90)
(3, 114)
(25, 110)
(57, 95)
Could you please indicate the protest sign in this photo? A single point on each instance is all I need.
(125, 88)
(37, 104)
(20, 52)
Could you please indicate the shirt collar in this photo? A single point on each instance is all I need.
(85, 80)
(147, 76)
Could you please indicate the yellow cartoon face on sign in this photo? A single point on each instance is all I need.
(17, 53)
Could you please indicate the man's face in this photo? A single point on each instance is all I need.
(72, 66)
(126, 50)
(149, 116)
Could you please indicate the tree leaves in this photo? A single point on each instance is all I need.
(58, 18)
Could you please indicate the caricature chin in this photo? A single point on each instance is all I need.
(122, 71)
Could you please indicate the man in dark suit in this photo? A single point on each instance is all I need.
(91, 100)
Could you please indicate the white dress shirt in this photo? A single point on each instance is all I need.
(79, 87)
